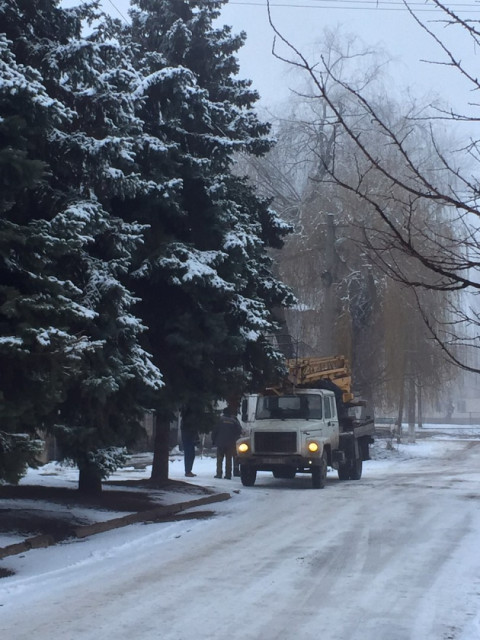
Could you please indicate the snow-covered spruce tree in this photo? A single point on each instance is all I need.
(204, 274)
(67, 294)
(35, 347)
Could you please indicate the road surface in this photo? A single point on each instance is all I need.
(394, 556)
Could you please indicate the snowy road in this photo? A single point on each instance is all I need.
(394, 556)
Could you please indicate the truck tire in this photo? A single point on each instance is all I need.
(248, 475)
(344, 471)
(319, 473)
(351, 470)
(356, 469)
(285, 473)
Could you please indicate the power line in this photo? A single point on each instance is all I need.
(378, 3)
(357, 5)
(118, 11)
(354, 5)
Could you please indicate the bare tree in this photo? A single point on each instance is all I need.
(348, 301)
(421, 194)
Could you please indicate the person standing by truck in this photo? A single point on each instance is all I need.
(190, 438)
(224, 436)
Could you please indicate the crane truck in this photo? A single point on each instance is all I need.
(308, 423)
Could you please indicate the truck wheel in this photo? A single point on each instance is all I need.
(344, 472)
(319, 473)
(356, 469)
(248, 475)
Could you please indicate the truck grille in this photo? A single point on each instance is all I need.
(275, 442)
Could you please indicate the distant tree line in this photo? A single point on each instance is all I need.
(361, 256)
(417, 191)
(135, 272)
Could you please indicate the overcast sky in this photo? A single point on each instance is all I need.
(386, 26)
(383, 24)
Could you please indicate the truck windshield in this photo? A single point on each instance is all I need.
(294, 407)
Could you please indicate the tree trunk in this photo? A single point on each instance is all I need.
(284, 339)
(89, 481)
(411, 409)
(420, 407)
(329, 291)
(400, 412)
(161, 451)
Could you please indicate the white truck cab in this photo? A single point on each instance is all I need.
(291, 433)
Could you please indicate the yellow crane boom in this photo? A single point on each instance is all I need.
(306, 372)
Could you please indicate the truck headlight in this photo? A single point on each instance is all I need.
(243, 447)
(313, 447)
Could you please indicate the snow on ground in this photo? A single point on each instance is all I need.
(121, 567)
(386, 453)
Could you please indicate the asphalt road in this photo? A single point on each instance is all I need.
(394, 556)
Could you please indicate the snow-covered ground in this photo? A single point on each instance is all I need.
(393, 556)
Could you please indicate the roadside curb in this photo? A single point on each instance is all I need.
(157, 514)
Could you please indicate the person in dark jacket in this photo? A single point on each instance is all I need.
(189, 440)
(224, 436)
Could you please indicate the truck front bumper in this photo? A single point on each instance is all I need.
(269, 463)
